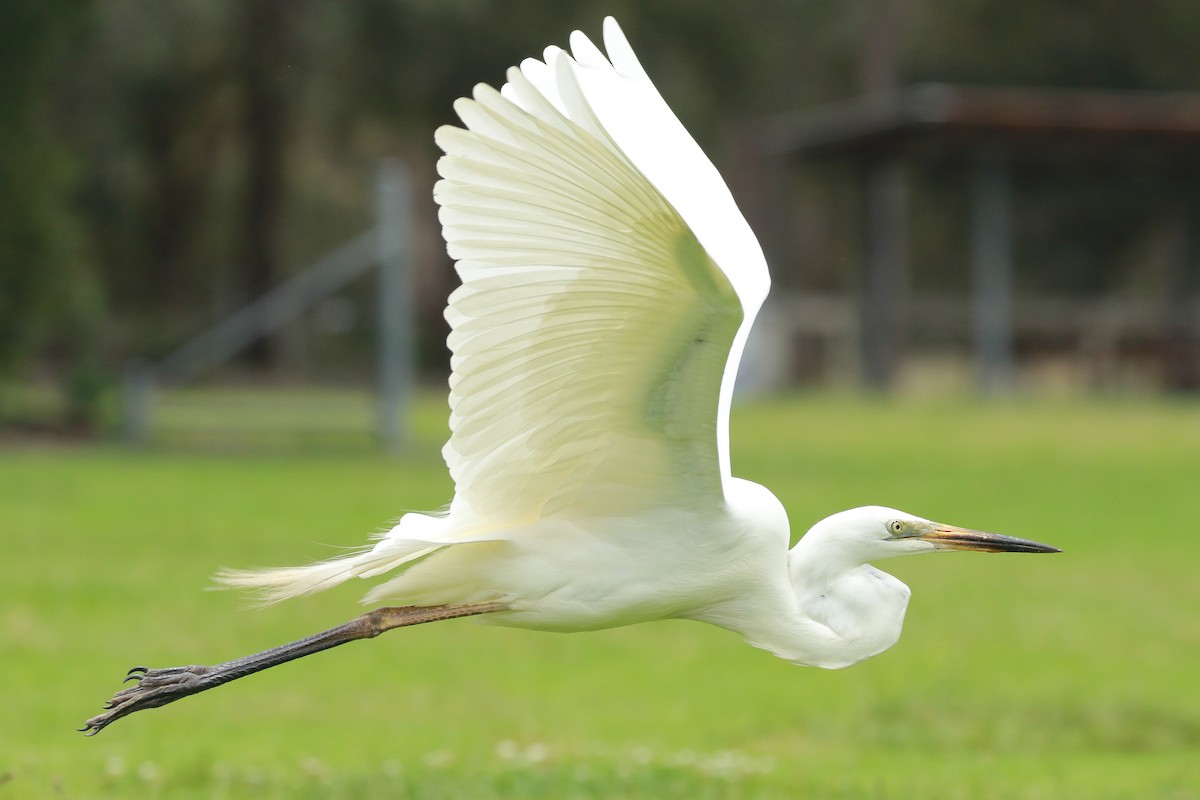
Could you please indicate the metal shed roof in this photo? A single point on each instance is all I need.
(972, 112)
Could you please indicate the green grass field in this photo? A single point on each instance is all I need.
(1071, 676)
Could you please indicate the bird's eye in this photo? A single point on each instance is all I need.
(896, 526)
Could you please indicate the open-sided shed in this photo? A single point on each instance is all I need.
(992, 130)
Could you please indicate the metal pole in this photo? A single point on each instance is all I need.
(1181, 371)
(396, 322)
(136, 398)
(884, 300)
(267, 313)
(992, 273)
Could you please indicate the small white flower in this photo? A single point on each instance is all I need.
(315, 768)
(148, 771)
(536, 753)
(641, 755)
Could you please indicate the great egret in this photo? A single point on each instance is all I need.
(609, 283)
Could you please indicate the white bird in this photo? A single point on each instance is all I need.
(609, 283)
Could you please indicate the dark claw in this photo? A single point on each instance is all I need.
(154, 687)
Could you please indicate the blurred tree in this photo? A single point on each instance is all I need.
(1100, 44)
(150, 106)
(47, 295)
(267, 45)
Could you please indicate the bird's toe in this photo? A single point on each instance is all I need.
(154, 687)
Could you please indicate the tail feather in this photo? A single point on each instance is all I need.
(282, 583)
(415, 536)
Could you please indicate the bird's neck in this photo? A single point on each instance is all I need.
(829, 613)
(862, 606)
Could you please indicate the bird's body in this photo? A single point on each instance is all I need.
(609, 284)
(573, 572)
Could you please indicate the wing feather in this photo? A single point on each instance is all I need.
(593, 330)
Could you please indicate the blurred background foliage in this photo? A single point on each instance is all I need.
(162, 163)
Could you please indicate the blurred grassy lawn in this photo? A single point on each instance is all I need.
(1017, 677)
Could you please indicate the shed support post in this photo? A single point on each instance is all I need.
(1181, 370)
(992, 273)
(884, 303)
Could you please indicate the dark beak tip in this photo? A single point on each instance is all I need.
(1032, 547)
(1038, 547)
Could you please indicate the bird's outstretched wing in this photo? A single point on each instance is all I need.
(608, 286)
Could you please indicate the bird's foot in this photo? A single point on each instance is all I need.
(154, 688)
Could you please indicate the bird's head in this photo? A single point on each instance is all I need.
(872, 533)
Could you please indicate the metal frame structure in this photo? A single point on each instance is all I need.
(387, 247)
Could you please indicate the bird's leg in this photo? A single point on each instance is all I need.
(157, 687)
